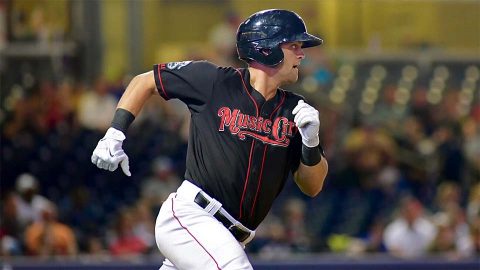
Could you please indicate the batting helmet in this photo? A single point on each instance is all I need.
(260, 36)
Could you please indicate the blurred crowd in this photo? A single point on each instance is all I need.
(406, 184)
(54, 202)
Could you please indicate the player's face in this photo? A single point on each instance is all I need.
(293, 55)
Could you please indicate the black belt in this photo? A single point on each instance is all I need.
(239, 233)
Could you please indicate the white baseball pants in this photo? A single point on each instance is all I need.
(192, 239)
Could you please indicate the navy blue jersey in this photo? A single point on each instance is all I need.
(241, 147)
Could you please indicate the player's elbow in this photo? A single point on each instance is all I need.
(145, 81)
(313, 191)
(310, 187)
(311, 179)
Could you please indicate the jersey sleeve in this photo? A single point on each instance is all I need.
(190, 81)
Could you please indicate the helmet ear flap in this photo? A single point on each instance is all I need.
(269, 56)
(265, 56)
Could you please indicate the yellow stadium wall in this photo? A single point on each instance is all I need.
(114, 25)
(170, 28)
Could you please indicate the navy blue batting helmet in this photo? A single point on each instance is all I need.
(260, 36)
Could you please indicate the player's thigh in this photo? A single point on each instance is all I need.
(192, 239)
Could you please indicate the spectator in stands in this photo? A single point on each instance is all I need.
(369, 152)
(163, 181)
(144, 224)
(96, 249)
(48, 237)
(415, 156)
(49, 103)
(29, 204)
(296, 231)
(384, 115)
(411, 233)
(274, 240)
(374, 239)
(83, 212)
(463, 240)
(475, 234)
(449, 152)
(10, 230)
(421, 109)
(448, 193)
(445, 239)
(453, 233)
(473, 205)
(452, 221)
(69, 96)
(21, 124)
(471, 149)
(223, 39)
(96, 107)
(124, 242)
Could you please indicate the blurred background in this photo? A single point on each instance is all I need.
(397, 87)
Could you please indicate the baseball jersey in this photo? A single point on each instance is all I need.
(241, 147)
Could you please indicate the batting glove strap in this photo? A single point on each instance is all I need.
(113, 133)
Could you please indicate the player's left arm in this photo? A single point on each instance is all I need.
(310, 179)
(313, 167)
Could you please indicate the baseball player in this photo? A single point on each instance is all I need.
(247, 136)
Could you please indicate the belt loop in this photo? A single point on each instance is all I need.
(213, 206)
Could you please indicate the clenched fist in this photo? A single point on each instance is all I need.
(308, 123)
(109, 153)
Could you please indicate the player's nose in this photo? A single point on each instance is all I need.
(300, 54)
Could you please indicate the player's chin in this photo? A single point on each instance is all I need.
(288, 81)
(293, 78)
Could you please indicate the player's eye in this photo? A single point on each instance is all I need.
(296, 45)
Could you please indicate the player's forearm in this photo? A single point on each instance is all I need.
(139, 90)
(310, 179)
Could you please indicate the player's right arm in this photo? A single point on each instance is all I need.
(109, 153)
(190, 81)
(138, 91)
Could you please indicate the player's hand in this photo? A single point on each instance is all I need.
(109, 153)
(308, 123)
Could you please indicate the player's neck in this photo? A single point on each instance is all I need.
(263, 80)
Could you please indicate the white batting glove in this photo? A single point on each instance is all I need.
(109, 153)
(308, 123)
